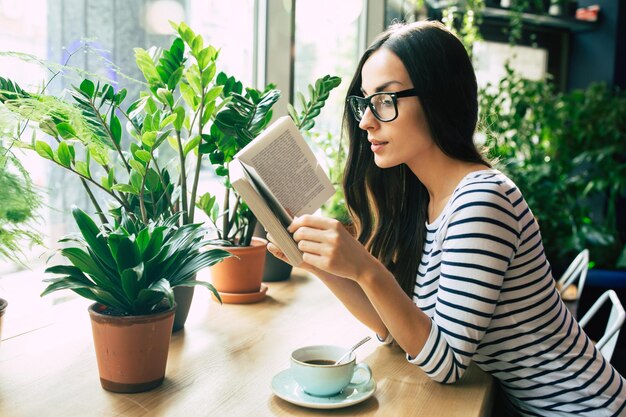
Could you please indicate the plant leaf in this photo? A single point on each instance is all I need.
(116, 129)
(88, 87)
(191, 144)
(143, 155)
(43, 149)
(63, 155)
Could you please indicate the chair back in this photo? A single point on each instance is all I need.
(606, 344)
(576, 270)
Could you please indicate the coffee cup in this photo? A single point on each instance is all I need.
(314, 369)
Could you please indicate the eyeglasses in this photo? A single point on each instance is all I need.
(384, 105)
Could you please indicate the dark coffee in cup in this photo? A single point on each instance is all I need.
(325, 362)
(321, 377)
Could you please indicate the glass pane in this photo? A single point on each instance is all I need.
(228, 25)
(489, 59)
(99, 37)
(24, 29)
(328, 43)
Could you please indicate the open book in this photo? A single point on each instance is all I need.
(278, 177)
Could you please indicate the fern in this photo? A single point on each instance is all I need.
(18, 210)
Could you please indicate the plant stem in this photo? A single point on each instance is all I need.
(196, 177)
(304, 116)
(82, 177)
(252, 220)
(225, 221)
(142, 203)
(167, 194)
(232, 219)
(183, 177)
(125, 201)
(130, 120)
(156, 165)
(106, 127)
(99, 211)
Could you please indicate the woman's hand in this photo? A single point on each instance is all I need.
(275, 250)
(327, 246)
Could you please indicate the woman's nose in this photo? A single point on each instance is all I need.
(368, 121)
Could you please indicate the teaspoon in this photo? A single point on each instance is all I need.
(349, 352)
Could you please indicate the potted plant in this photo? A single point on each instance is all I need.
(245, 115)
(130, 269)
(187, 105)
(573, 170)
(20, 202)
(131, 166)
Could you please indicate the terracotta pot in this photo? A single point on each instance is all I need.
(3, 307)
(243, 272)
(131, 350)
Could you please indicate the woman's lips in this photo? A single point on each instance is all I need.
(377, 145)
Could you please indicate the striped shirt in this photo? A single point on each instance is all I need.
(486, 284)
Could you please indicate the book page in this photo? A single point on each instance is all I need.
(267, 195)
(258, 203)
(288, 167)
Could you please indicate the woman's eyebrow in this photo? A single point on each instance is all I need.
(382, 87)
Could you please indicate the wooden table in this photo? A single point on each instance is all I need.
(221, 364)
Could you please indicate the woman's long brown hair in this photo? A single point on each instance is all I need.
(389, 206)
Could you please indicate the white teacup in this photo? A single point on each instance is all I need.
(314, 370)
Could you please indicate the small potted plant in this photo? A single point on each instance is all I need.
(20, 202)
(245, 115)
(130, 269)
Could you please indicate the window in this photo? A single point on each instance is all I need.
(229, 26)
(490, 57)
(99, 37)
(328, 43)
(24, 29)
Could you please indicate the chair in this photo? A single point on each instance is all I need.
(577, 270)
(607, 342)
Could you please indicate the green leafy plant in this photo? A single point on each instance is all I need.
(179, 103)
(464, 19)
(571, 168)
(132, 267)
(565, 151)
(244, 116)
(18, 211)
(335, 155)
(187, 105)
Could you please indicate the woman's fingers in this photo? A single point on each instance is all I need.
(308, 246)
(327, 246)
(274, 250)
(308, 233)
(315, 222)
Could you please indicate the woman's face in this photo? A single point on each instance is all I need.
(406, 139)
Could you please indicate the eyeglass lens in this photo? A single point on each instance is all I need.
(382, 105)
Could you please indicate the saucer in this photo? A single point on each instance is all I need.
(285, 387)
(243, 298)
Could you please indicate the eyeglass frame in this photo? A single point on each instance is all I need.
(395, 95)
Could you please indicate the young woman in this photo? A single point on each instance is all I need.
(449, 261)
